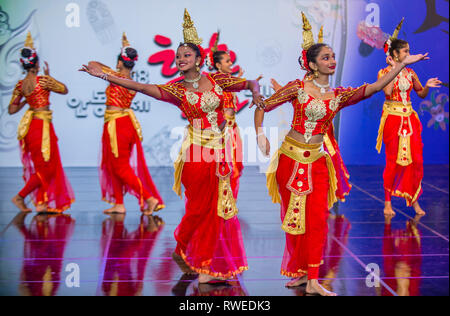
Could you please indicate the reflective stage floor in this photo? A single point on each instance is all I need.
(131, 255)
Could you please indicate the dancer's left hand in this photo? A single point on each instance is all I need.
(258, 100)
(433, 83)
(46, 69)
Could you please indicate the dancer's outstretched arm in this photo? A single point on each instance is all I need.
(95, 69)
(390, 76)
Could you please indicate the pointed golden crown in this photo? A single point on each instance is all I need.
(308, 39)
(29, 41)
(189, 31)
(397, 30)
(216, 44)
(125, 42)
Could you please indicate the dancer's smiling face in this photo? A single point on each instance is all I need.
(225, 63)
(187, 58)
(324, 61)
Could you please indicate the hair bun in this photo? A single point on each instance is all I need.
(26, 52)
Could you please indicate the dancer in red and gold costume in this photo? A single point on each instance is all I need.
(221, 62)
(331, 146)
(123, 167)
(209, 239)
(400, 129)
(301, 175)
(43, 172)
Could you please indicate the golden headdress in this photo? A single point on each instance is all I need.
(397, 30)
(308, 39)
(125, 42)
(125, 45)
(216, 43)
(387, 45)
(189, 31)
(210, 55)
(29, 41)
(308, 42)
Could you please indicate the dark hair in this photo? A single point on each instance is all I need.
(194, 47)
(312, 53)
(28, 53)
(217, 58)
(132, 54)
(396, 45)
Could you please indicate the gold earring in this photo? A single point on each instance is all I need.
(396, 59)
(197, 68)
(316, 73)
(182, 73)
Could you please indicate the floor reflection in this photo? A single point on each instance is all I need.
(126, 254)
(46, 238)
(188, 286)
(338, 230)
(402, 258)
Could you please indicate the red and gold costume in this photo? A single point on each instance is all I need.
(234, 141)
(43, 172)
(302, 178)
(209, 237)
(400, 130)
(123, 167)
(342, 176)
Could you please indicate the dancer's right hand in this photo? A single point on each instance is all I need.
(263, 144)
(411, 59)
(275, 85)
(93, 68)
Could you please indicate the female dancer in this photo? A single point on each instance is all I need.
(43, 172)
(400, 129)
(221, 62)
(301, 176)
(331, 146)
(122, 135)
(209, 240)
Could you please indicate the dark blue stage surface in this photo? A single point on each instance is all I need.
(131, 255)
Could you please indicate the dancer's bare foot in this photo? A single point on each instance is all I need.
(116, 209)
(388, 211)
(42, 208)
(19, 202)
(206, 278)
(418, 209)
(313, 287)
(152, 203)
(182, 265)
(297, 281)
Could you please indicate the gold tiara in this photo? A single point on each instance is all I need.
(29, 41)
(189, 31)
(308, 38)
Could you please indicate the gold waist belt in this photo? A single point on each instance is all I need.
(110, 117)
(304, 154)
(24, 126)
(226, 204)
(398, 108)
(393, 108)
(204, 138)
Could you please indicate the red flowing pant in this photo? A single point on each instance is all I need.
(208, 243)
(398, 180)
(45, 180)
(128, 172)
(303, 253)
